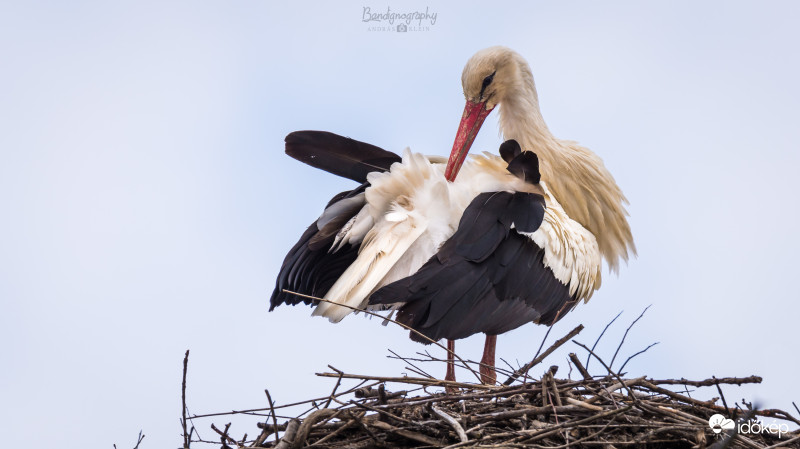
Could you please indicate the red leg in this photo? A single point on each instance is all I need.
(451, 368)
(488, 375)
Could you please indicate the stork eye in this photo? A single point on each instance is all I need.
(488, 80)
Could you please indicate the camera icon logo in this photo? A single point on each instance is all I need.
(402, 28)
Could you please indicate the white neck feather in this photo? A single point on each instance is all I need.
(575, 175)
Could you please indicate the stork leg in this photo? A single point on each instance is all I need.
(488, 375)
(451, 368)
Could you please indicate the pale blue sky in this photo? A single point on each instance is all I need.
(147, 203)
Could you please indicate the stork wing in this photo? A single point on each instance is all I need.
(486, 278)
(309, 267)
(339, 155)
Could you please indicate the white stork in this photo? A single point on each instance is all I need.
(487, 251)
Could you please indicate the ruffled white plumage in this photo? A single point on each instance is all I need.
(411, 210)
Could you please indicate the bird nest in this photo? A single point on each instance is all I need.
(606, 410)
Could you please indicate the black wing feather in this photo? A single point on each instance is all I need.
(486, 278)
(342, 156)
(311, 272)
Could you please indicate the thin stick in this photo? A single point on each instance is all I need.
(238, 412)
(414, 380)
(186, 438)
(709, 382)
(626, 334)
(272, 412)
(724, 402)
(138, 441)
(419, 373)
(634, 355)
(535, 361)
(588, 357)
(419, 370)
(409, 328)
(335, 387)
(541, 345)
(510, 368)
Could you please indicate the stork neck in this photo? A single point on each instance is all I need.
(575, 177)
(521, 119)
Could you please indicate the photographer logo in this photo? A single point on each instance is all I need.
(400, 21)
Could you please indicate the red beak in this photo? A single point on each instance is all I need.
(471, 121)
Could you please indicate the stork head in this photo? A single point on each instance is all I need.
(490, 77)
